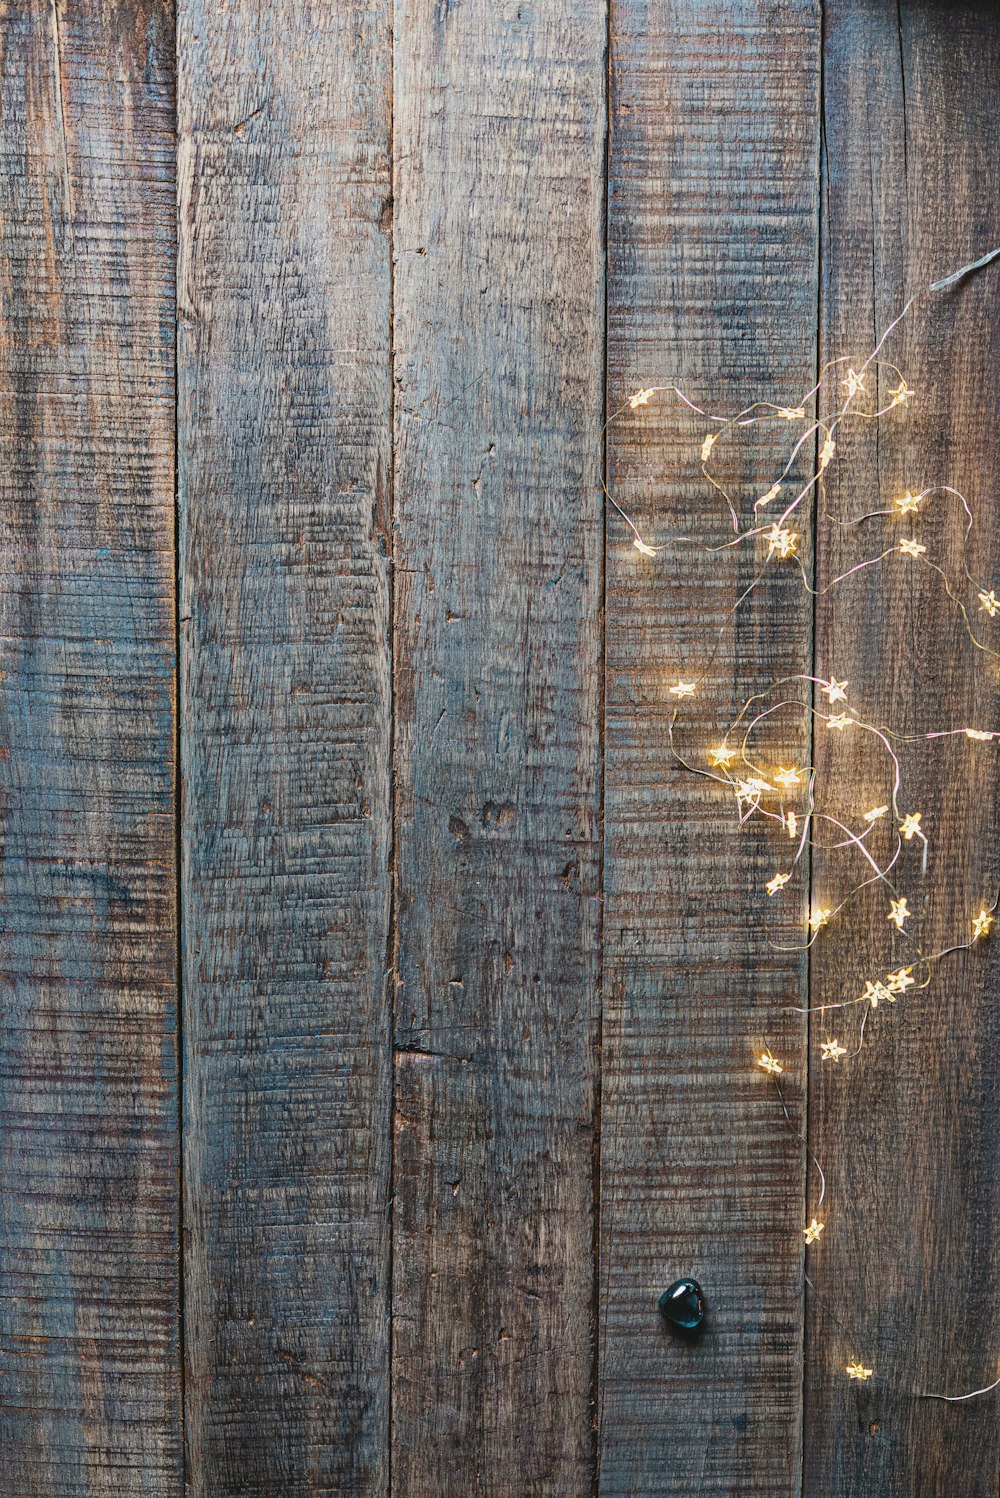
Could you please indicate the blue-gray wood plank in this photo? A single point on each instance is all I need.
(89, 1401)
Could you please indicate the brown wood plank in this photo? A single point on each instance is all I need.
(908, 1131)
(712, 285)
(88, 1086)
(499, 139)
(285, 447)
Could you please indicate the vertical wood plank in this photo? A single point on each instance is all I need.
(713, 285)
(88, 1100)
(284, 451)
(908, 1132)
(499, 140)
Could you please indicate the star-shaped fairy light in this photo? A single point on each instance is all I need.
(750, 790)
(990, 602)
(684, 689)
(819, 918)
(778, 882)
(707, 445)
(722, 756)
(876, 812)
(833, 1050)
(781, 541)
(786, 778)
(839, 721)
(836, 691)
(876, 993)
(826, 454)
(854, 383)
(900, 981)
(912, 548)
(899, 913)
(644, 547)
(641, 398)
(981, 925)
(813, 1231)
(767, 1063)
(902, 393)
(909, 827)
(908, 504)
(858, 1370)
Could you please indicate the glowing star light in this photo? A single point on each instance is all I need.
(875, 993)
(819, 918)
(641, 398)
(767, 1063)
(781, 541)
(875, 813)
(833, 1050)
(858, 1370)
(722, 756)
(684, 689)
(899, 914)
(912, 548)
(772, 493)
(854, 383)
(981, 925)
(791, 824)
(902, 393)
(813, 1231)
(839, 721)
(990, 602)
(826, 454)
(908, 504)
(901, 981)
(836, 691)
(787, 778)
(778, 882)
(909, 827)
(979, 733)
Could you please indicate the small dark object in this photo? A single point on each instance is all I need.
(683, 1304)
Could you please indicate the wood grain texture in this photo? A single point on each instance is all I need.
(499, 138)
(712, 284)
(908, 1132)
(284, 451)
(88, 1099)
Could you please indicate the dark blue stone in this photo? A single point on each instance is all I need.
(683, 1304)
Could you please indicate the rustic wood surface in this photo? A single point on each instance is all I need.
(88, 1077)
(284, 458)
(498, 344)
(471, 974)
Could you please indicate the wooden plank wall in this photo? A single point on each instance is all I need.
(88, 1078)
(470, 975)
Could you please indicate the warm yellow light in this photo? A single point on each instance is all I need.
(912, 548)
(684, 689)
(900, 981)
(707, 445)
(899, 913)
(772, 493)
(876, 812)
(767, 1063)
(641, 398)
(876, 992)
(902, 393)
(981, 924)
(840, 721)
(722, 756)
(833, 1050)
(647, 551)
(750, 790)
(826, 453)
(990, 602)
(791, 824)
(813, 1231)
(978, 733)
(907, 504)
(778, 882)
(819, 918)
(836, 691)
(792, 413)
(781, 541)
(909, 827)
(854, 383)
(857, 1370)
(787, 778)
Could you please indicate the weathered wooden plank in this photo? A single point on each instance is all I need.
(499, 138)
(711, 284)
(284, 452)
(908, 1130)
(88, 1103)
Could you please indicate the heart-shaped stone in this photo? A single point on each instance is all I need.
(683, 1304)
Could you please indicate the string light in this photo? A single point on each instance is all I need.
(752, 792)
